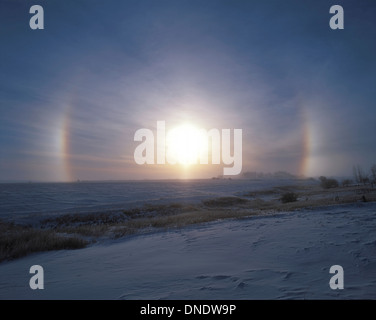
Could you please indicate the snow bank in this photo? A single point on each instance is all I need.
(287, 256)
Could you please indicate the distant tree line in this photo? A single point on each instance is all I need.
(263, 175)
(360, 177)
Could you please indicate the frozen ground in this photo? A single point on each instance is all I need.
(287, 256)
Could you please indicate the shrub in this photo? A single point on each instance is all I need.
(289, 197)
(328, 183)
(347, 182)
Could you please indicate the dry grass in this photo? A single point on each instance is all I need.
(89, 218)
(87, 230)
(111, 218)
(159, 209)
(18, 241)
(176, 221)
(224, 202)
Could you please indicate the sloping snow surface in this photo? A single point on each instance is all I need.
(285, 256)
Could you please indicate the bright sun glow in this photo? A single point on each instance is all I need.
(185, 143)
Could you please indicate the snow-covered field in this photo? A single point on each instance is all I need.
(286, 256)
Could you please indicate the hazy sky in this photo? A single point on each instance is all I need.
(73, 95)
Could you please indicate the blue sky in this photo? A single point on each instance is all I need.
(73, 95)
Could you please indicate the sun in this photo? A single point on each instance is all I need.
(185, 144)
